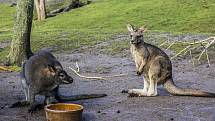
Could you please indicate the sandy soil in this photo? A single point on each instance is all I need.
(117, 106)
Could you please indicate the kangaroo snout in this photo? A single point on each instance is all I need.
(132, 41)
(70, 79)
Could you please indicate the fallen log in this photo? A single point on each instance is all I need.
(74, 4)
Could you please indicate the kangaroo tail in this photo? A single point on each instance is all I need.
(80, 97)
(174, 90)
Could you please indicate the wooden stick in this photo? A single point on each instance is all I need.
(78, 69)
(208, 45)
(163, 44)
(180, 52)
(170, 45)
(94, 77)
(87, 77)
(118, 75)
(191, 57)
(5, 69)
(206, 52)
(202, 41)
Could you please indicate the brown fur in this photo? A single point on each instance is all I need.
(156, 68)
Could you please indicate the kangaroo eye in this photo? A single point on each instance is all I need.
(131, 36)
(62, 75)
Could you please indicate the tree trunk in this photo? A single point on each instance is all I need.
(37, 6)
(20, 46)
(41, 10)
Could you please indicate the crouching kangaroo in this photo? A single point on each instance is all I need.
(156, 68)
(41, 75)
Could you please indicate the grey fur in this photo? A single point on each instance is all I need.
(41, 75)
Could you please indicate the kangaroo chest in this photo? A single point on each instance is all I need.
(138, 54)
(137, 57)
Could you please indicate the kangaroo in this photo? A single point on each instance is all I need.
(41, 75)
(156, 68)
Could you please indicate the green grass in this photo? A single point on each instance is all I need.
(111, 16)
(103, 19)
(115, 48)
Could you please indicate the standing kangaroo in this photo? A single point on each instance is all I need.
(42, 74)
(156, 68)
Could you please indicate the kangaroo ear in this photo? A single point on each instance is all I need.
(143, 29)
(130, 27)
(51, 68)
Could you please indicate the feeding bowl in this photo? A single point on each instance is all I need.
(63, 112)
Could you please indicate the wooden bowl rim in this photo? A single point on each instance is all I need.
(64, 111)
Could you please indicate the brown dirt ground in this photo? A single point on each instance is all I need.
(117, 106)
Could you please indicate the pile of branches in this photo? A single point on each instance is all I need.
(192, 49)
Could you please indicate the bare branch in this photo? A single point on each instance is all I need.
(180, 52)
(5, 69)
(205, 48)
(87, 77)
(163, 44)
(191, 57)
(78, 69)
(170, 45)
(206, 52)
(94, 77)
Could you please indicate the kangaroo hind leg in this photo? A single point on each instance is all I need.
(154, 77)
(152, 88)
(139, 92)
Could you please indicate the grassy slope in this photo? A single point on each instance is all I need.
(105, 18)
(112, 15)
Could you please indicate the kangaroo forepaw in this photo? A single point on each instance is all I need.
(34, 108)
(139, 73)
(137, 95)
(124, 91)
(133, 95)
